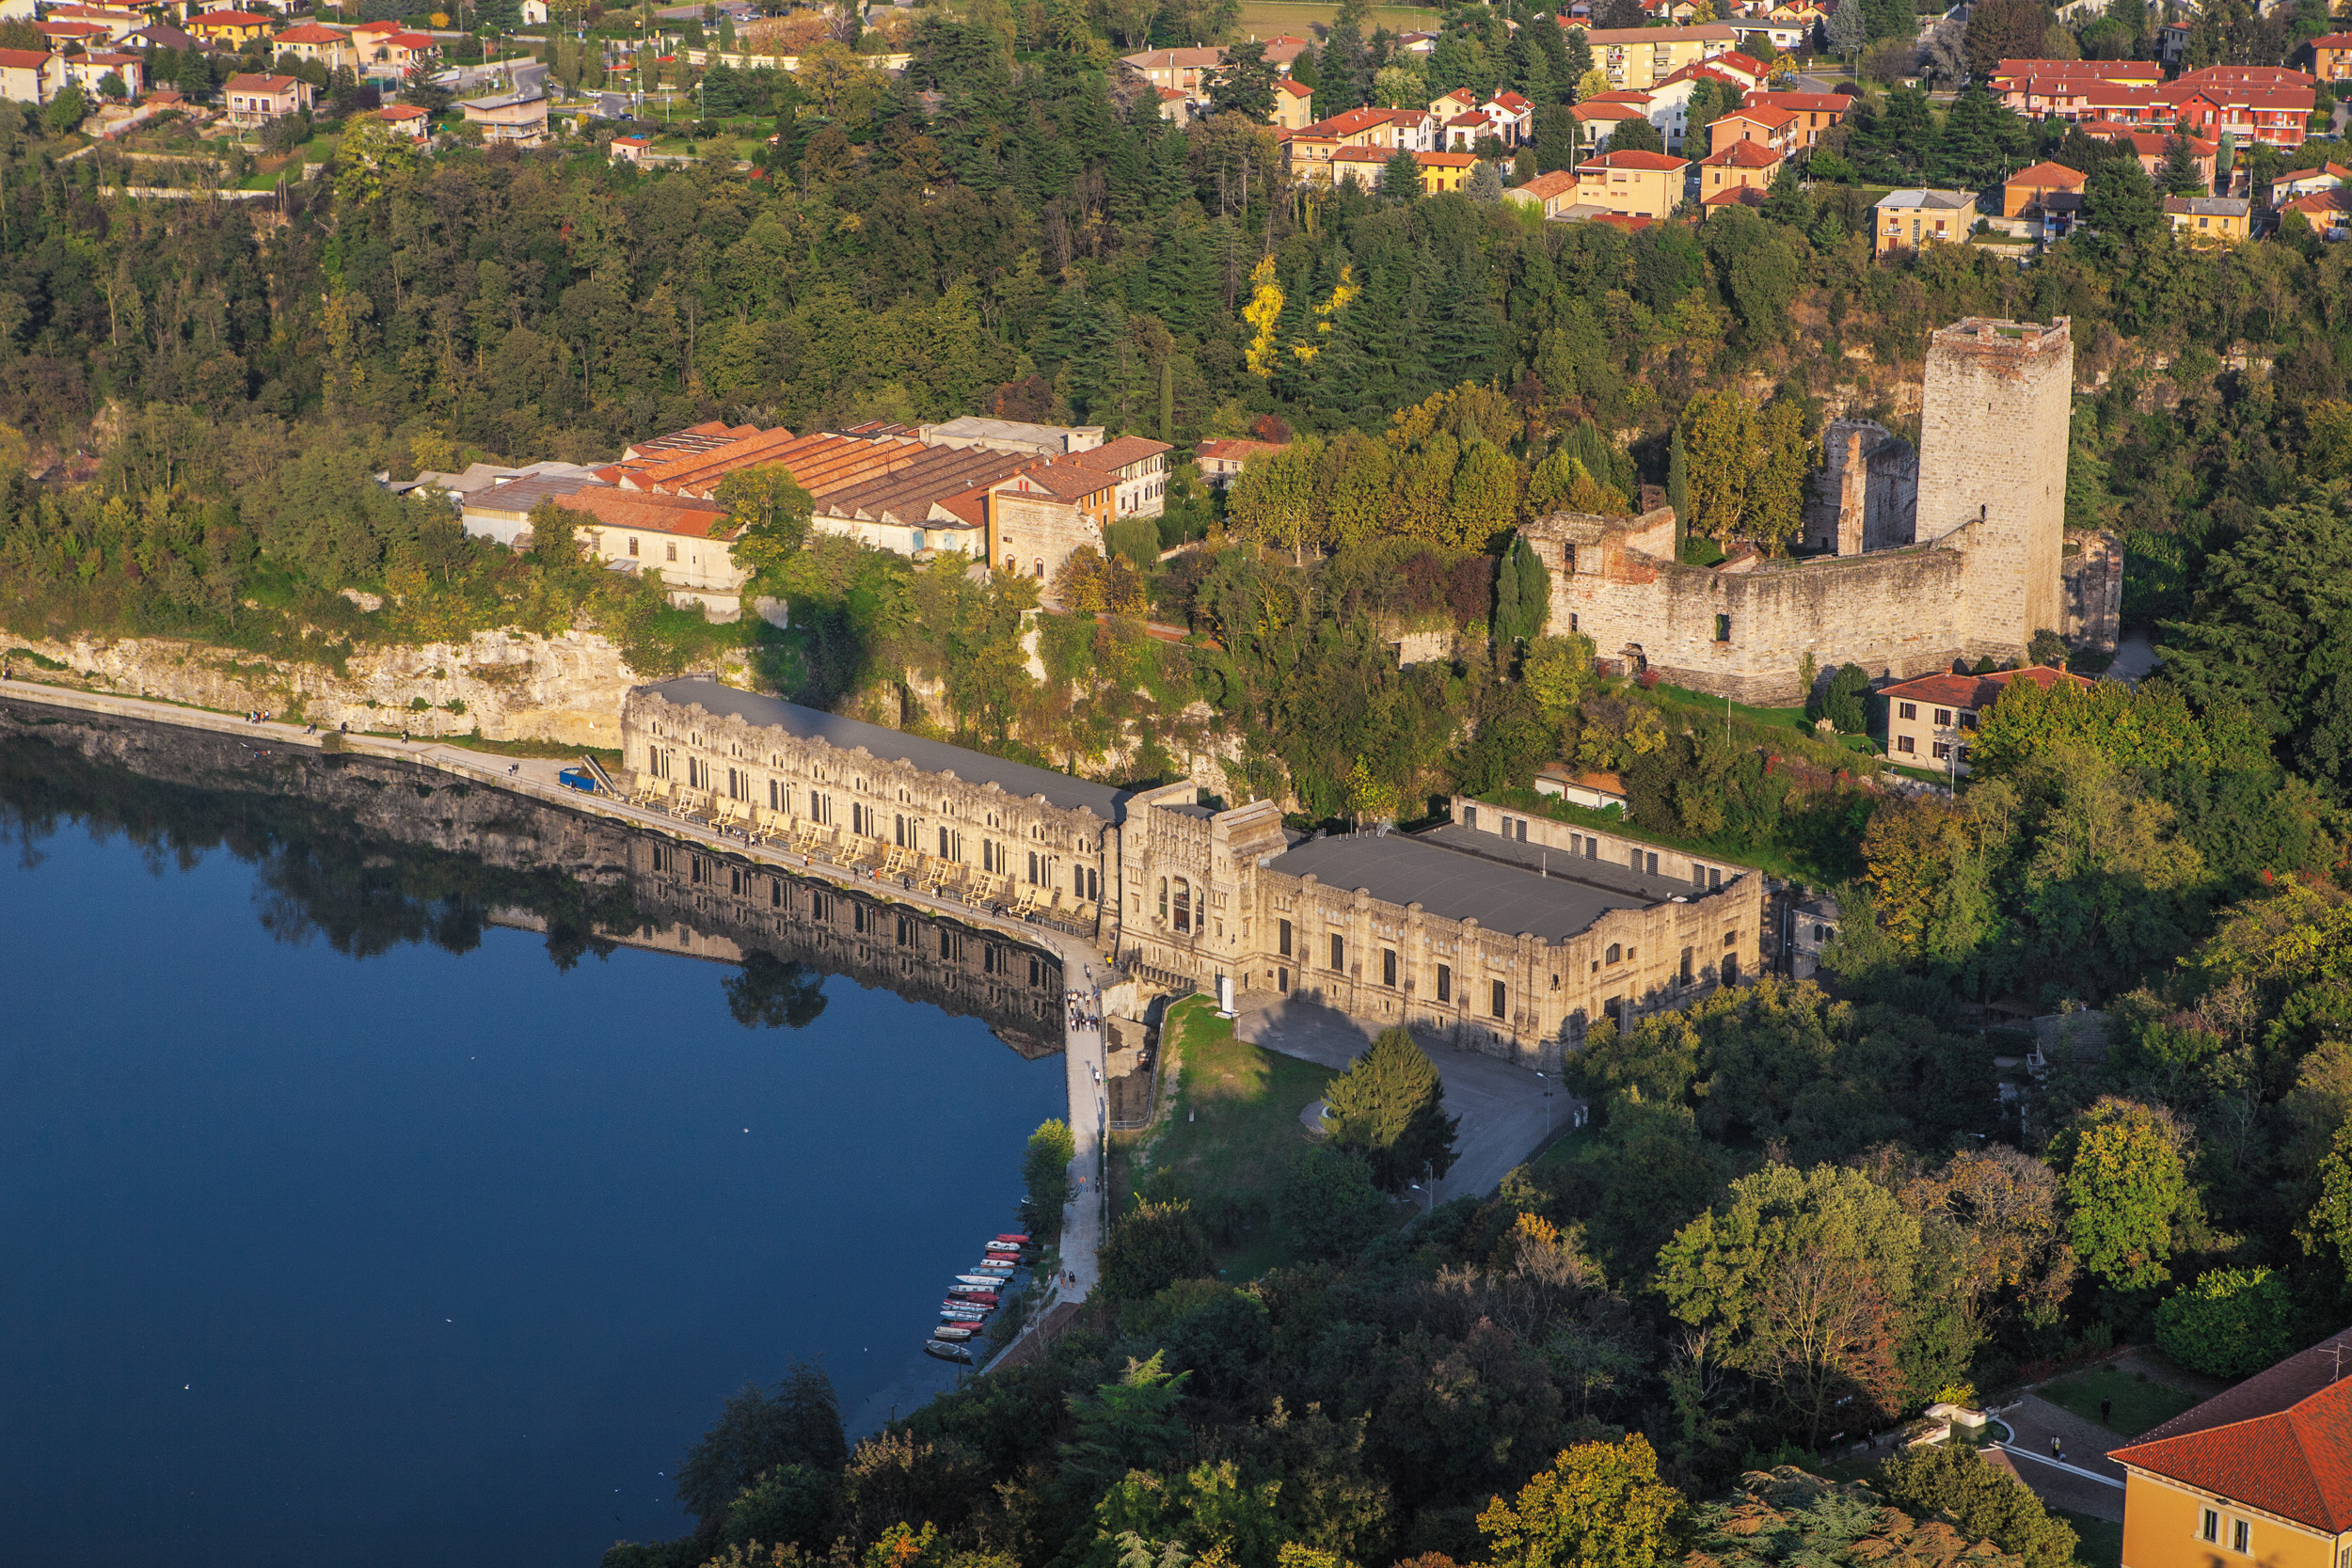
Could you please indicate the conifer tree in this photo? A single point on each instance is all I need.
(1391, 1105)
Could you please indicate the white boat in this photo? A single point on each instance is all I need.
(953, 1331)
(991, 1266)
(986, 1281)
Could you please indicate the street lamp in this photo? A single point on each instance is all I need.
(1539, 1073)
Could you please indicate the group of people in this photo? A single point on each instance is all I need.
(1079, 1017)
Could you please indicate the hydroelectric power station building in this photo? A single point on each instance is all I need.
(1479, 932)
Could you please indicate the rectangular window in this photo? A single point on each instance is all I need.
(1615, 955)
(1653, 865)
(1722, 628)
(2240, 1535)
(1907, 711)
(775, 796)
(2209, 1525)
(673, 552)
(1499, 998)
(1943, 717)
(1388, 967)
(1731, 968)
(1943, 750)
(1338, 953)
(1903, 743)
(1282, 980)
(1445, 983)
(1685, 975)
(1282, 939)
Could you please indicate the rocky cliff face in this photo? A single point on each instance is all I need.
(504, 685)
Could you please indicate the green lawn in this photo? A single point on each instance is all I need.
(1267, 18)
(1791, 718)
(2099, 1542)
(1232, 1129)
(2139, 1404)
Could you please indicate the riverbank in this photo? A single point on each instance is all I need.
(1084, 968)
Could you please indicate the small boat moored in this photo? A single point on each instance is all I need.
(946, 1352)
(987, 1281)
(955, 1332)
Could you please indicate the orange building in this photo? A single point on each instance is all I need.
(1738, 166)
(2035, 186)
(2257, 1477)
(2331, 58)
(1637, 184)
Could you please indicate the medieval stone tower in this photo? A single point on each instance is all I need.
(1994, 439)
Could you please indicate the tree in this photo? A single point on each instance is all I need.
(65, 112)
(1845, 701)
(2231, 1322)
(1272, 499)
(1400, 176)
(1244, 85)
(1390, 1104)
(1600, 1505)
(1128, 1425)
(1636, 135)
(798, 1422)
(1522, 595)
(1747, 468)
(1952, 1479)
(2182, 175)
(2003, 29)
(1045, 1175)
(2120, 201)
(1151, 1246)
(1484, 185)
(1329, 1206)
(770, 513)
(1846, 31)
(1809, 1280)
(2126, 1186)
(2329, 1222)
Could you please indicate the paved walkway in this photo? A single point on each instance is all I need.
(2084, 1478)
(1505, 1117)
(1083, 967)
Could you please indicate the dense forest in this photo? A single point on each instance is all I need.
(1803, 1209)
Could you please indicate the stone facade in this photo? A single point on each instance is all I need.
(1957, 551)
(2091, 578)
(1992, 447)
(1181, 895)
(1032, 535)
(997, 832)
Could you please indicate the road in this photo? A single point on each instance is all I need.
(1505, 1115)
(1083, 967)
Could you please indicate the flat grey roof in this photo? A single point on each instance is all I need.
(1612, 876)
(1014, 778)
(1414, 870)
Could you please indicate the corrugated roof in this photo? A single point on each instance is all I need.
(1017, 779)
(908, 491)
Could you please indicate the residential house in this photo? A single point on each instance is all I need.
(1312, 148)
(330, 46)
(1440, 171)
(2329, 213)
(2257, 1474)
(1599, 117)
(1738, 166)
(2209, 219)
(2154, 147)
(1463, 133)
(1420, 44)
(90, 71)
(628, 149)
(1644, 56)
(1815, 112)
(1189, 70)
(1784, 36)
(2331, 58)
(1283, 52)
(1552, 193)
(254, 99)
(1927, 718)
(1774, 128)
(1669, 102)
(116, 22)
(30, 76)
(64, 37)
(2269, 104)
(389, 57)
(1221, 460)
(2037, 187)
(516, 117)
(1293, 104)
(1038, 516)
(1637, 184)
(1140, 466)
(407, 119)
(1461, 100)
(229, 30)
(1910, 219)
(690, 543)
(1512, 118)
(1176, 107)
(157, 35)
(1752, 198)
(2326, 177)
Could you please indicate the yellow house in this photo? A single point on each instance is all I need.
(229, 27)
(1638, 185)
(1643, 58)
(1905, 220)
(2208, 219)
(2257, 1477)
(1444, 171)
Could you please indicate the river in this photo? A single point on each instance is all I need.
(364, 1200)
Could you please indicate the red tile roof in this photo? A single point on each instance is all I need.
(1113, 455)
(1802, 103)
(310, 32)
(1545, 186)
(1236, 450)
(1742, 155)
(2056, 176)
(1976, 691)
(248, 81)
(2281, 1441)
(1064, 481)
(1635, 160)
(655, 514)
(1736, 196)
(24, 59)
(228, 19)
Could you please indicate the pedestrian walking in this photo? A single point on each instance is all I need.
(2106, 1407)
(2057, 1447)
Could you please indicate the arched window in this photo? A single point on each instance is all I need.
(1040, 568)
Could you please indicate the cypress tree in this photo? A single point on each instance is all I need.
(1505, 620)
(1168, 399)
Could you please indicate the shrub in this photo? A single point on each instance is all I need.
(1983, 1501)
(1329, 1206)
(2231, 1322)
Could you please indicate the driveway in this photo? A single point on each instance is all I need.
(1502, 1106)
(2079, 1476)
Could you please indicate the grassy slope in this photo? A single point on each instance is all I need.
(2139, 1404)
(1233, 1126)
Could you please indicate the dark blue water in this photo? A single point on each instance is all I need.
(428, 1258)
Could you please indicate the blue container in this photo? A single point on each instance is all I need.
(578, 778)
